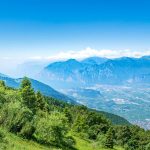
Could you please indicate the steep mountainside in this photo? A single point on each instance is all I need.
(48, 91)
(39, 122)
(119, 86)
(38, 86)
(121, 71)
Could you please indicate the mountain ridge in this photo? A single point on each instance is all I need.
(111, 71)
(38, 86)
(48, 91)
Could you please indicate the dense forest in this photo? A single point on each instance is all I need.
(53, 124)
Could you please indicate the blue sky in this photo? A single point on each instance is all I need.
(41, 28)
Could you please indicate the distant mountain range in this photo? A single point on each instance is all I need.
(120, 86)
(95, 70)
(94, 60)
(48, 91)
(38, 86)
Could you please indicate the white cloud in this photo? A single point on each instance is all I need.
(89, 52)
(35, 58)
(7, 64)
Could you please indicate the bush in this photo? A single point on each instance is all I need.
(2, 135)
(94, 130)
(3, 140)
(69, 141)
(148, 146)
(101, 138)
(14, 117)
(51, 129)
(28, 130)
(132, 145)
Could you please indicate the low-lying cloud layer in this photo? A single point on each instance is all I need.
(89, 52)
(8, 64)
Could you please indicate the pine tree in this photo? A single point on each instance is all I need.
(124, 135)
(109, 142)
(68, 115)
(132, 145)
(40, 102)
(27, 93)
(2, 83)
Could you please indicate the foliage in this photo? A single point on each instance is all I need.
(3, 140)
(40, 102)
(123, 134)
(51, 129)
(148, 146)
(89, 122)
(109, 142)
(51, 122)
(27, 94)
(131, 145)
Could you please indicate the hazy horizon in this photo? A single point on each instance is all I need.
(56, 30)
(9, 69)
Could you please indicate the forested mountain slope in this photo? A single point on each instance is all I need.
(59, 125)
(38, 86)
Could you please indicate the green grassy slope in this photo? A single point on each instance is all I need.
(90, 145)
(17, 143)
(14, 142)
(47, 122)
(48, 91)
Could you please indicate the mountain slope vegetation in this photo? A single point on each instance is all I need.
(38, 86)
(58, 125)
(48, 91)
(120, 86)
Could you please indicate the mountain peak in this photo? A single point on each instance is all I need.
(95, 60)
(71, 60)
(3, 75)
(146, 57)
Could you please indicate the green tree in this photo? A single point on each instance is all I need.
(27, 93)
(148, 146)
(51, 129)
(109, 142)
(68, 115)
(40, 101)
(2, 83)
(123, 135)
(132, 145)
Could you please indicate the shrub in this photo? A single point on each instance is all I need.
(3, 140)
(51, 129)
(28, 130)
(148, 146)
(131, 145)
(69, 141)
